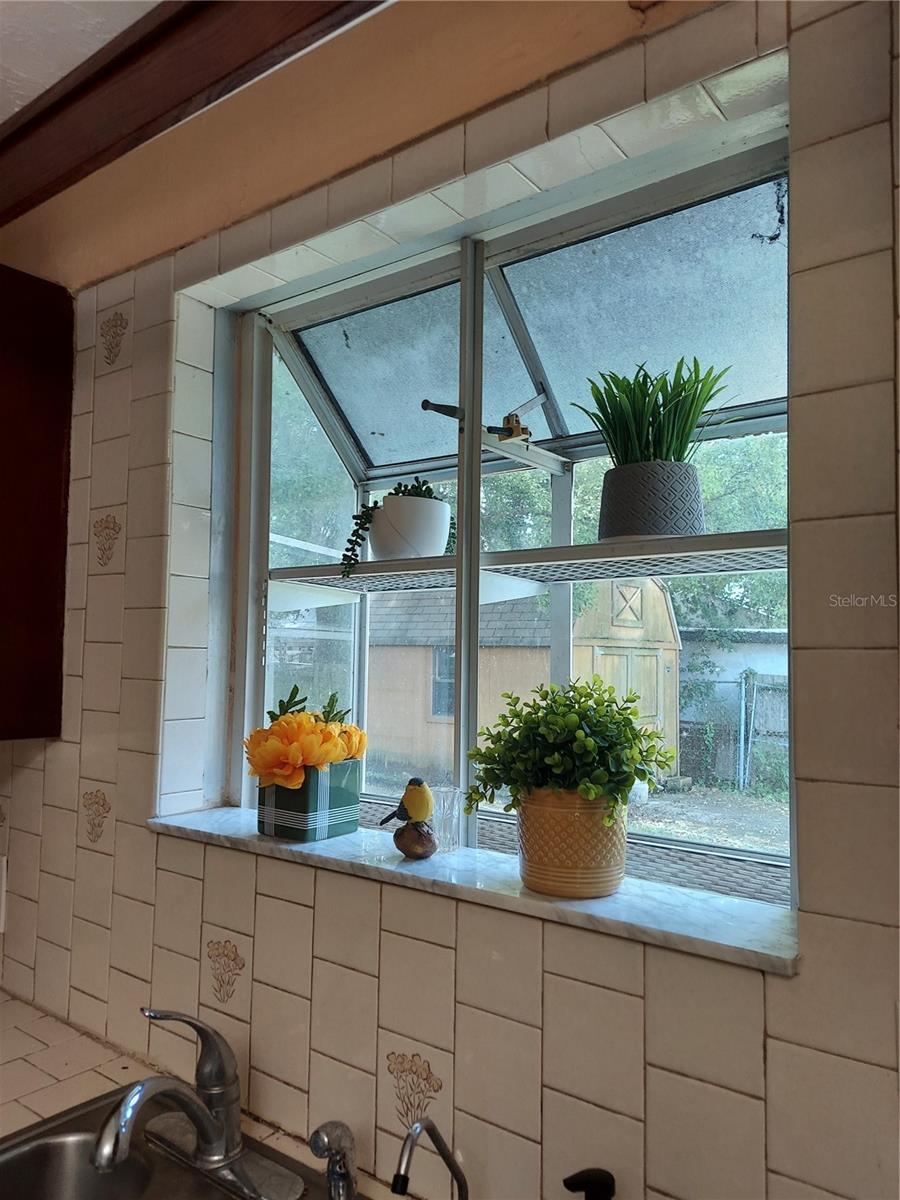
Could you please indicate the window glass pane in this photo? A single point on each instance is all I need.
(705, 281)
(310, 646)
(515, 510)
(312, 498)
(505, 382)
(743, 482)
(699, 651)
(412, 637)
(382, 363)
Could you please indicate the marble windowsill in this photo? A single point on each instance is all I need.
(750, 933)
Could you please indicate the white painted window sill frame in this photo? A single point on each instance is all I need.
(749, 933)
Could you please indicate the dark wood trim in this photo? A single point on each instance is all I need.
(178, 59)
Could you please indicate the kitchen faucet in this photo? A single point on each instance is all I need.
(205, 1132)
(400, 1184)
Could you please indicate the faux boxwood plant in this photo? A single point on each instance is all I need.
(580, 737)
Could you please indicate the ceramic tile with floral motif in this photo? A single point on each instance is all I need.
(414, 1081)
(96, 815)
(226, 970)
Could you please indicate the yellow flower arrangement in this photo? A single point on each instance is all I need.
(281, 752)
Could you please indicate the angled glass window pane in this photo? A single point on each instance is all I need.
(703, 282)
(382, 363)
(312, 498)
(505, 382)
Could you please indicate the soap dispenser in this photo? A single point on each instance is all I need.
(594, 1184)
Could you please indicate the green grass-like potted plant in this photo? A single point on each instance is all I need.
(651, 425)
(568, 759)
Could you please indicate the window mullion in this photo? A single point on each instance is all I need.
(561, 495)
(468, 515)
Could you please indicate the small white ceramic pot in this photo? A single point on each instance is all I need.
(409, 527)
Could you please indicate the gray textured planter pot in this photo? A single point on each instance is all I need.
(652, 499)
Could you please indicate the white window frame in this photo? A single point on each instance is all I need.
(472, 262)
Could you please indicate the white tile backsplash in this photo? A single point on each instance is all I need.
(112, 406)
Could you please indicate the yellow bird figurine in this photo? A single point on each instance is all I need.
(414, 838)
(416, 803)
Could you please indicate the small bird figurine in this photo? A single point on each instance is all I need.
(414, 838)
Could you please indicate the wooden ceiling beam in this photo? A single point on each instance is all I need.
(175, 61)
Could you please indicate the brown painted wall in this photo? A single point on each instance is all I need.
(401, 74)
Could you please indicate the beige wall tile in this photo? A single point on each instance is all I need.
(126, 1025)
(90, 958)
(836, 341)
(112, 407)
(839, 73)
(27, 794)
(841, 198)
(705, 1019)
(278, 1102)
(279, 1035)
(61, 775)
(285, 880)
(605, 1070)
(71, 1057)
(283, 945)
(347, 920)
(344, 1014)
(336, 1088)
(180, 855)
(508, 129)
(402, 1100)
(487, 189)
(694, 49)
(429, 163)
(55, 909)
(299, 218)
(419, 915)
(820, 452)
(24, 864)
(105, 608)
(832, 1122)
(421, 969)
(840, 570)
(498, 1071)
(51, 977)
(782, 1188)
(99, 748)
(600, 89)
(154, 299)
(196, 332)
(847, 836)
(96, 815)
(591, 957)
(702, 1140)
(229, 885)
(188, 614)
(576, 1134)
(19, 939)
(835, 737)
(67, 1093)
(198, 261)
(178, 901)
(498, 962)
(135, 862)
(175, 983)
(85, 318)
(18, 977)
(19, 1078)
(244, 242)
(58, 841)
(131, 937)
(663, 121)
(846, 967)
(87, 1012)
(93, 887)
(498, 1164)
(771, 25)
(226, 971)
(115, 335)
(359, 193)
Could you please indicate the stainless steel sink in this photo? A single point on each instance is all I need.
(52, 1161)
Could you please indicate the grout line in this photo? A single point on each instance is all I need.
(724, 1087)
(862, 1062)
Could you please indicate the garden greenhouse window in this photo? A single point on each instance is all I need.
(424, 649)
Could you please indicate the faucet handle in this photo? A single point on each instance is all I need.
(216, 1066)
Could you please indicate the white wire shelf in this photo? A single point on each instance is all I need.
(709, 554)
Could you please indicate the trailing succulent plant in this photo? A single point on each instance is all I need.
(652, 417)
(362, 520)
(580, 737)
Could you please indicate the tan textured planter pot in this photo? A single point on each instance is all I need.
(564, 847)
